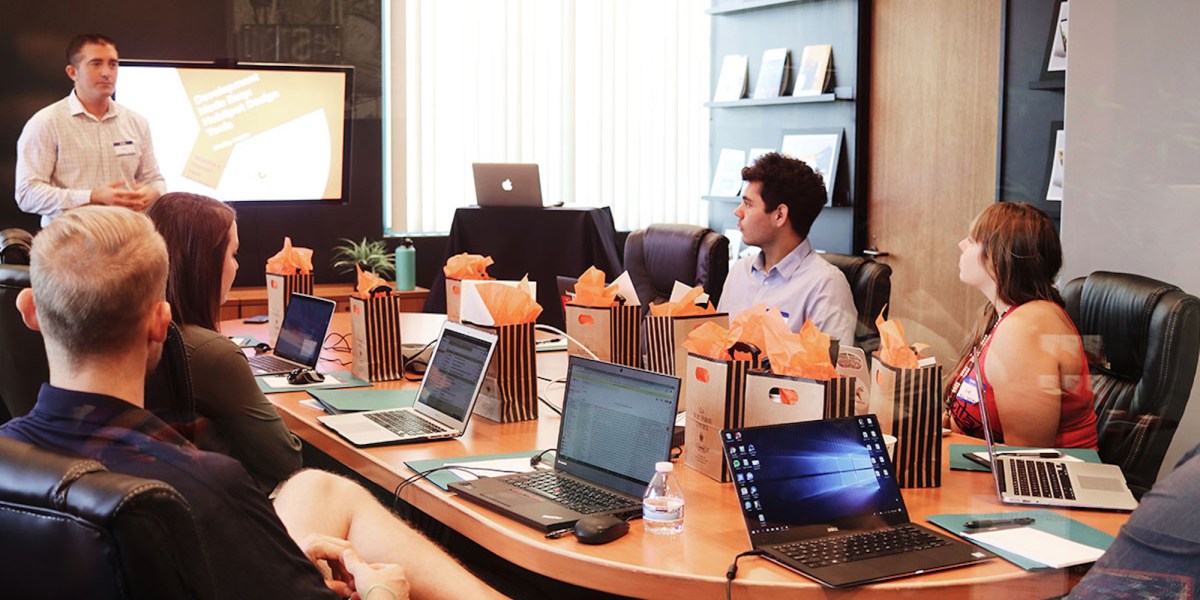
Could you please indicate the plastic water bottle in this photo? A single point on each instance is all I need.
(662, 504)
(406, 266)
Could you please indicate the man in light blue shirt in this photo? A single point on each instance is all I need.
(782, 198)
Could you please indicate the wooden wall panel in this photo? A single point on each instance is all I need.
(935, 73)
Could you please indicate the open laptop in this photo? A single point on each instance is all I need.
(1053, 481)
(616, 423)
(821, 498)
(301, 336)
(507, 184)
(444, 401)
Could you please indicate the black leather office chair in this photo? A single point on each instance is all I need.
(75, 530)
(1142, 373)
(661, 254)
(23, 367)
(871, 285)
(14, 246)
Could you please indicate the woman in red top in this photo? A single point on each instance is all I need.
(1035, 375)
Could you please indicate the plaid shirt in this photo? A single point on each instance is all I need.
(64, 152)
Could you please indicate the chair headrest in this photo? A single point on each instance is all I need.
(14, 276)
(15, 246)
(1119, 308)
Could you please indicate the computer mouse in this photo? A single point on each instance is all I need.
(305, 376)
(599, 529)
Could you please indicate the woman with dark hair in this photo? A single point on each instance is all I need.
(1035, 384)
(235, 418)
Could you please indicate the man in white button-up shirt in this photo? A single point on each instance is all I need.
(85, 148)
(782, 198)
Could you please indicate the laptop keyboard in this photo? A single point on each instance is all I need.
(269, 363)
(403, 423)
(825, 552)
(575, 495)
(1040, 479)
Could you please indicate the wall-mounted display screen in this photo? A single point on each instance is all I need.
(246, 133)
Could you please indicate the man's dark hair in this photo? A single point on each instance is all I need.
(786, 180)
(83, 39)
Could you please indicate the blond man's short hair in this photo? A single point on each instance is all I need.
(97, 271)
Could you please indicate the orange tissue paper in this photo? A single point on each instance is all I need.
(467, 266)
(709, 339)
(369, 282)
(291, 260)
(748, 326)
(893, 350)
(509, 305)
(804, 354)
(590, 290)
(685, 307)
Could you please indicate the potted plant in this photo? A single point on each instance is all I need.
(373, 256)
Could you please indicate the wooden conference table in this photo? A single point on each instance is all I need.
(691, 565)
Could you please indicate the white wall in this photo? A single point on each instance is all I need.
(1132, 162)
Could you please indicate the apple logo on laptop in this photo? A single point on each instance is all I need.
(506, 185)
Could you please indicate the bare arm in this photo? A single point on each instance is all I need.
(1022, 367)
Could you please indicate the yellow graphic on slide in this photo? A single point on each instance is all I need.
(232, 110)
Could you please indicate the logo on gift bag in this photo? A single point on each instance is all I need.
(356, 309)
(586, 320)
(275, 284)
(702, 375)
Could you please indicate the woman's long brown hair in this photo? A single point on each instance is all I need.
(196, 229)
(1022, 252)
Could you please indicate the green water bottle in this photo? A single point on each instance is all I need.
(406, 266)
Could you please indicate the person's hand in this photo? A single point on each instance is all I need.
(326, 553)
(144, 195)
(368, 576)
(116, 194)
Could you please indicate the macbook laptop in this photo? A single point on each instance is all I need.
(1053, 481)
(444, 401)
(616, 423)
(507, 184)
(821, 498)
(301, 336)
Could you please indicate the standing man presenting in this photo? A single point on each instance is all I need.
(780, 202)
(85, 148)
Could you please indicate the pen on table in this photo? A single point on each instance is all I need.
(1031, 453)
(985, 523)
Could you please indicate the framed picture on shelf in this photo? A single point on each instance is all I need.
(1054, 185)
(820, 149)
(1054, 67)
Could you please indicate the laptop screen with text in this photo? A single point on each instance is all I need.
(454, 372)
(617, 422)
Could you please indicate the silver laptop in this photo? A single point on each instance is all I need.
(444, 401)
(617, 422)
(1053, 481)
(507, 184)
(301, 337)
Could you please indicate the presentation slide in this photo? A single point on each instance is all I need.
(243, 134)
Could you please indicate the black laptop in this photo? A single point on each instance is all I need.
(617, 422)
(821, 498)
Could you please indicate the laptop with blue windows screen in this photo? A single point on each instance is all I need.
(821, 498)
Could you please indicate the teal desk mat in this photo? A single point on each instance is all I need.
(360, 399)
(444, 478)
(961, 463)
(244, 341)
(347, 381)
(1044, 520)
